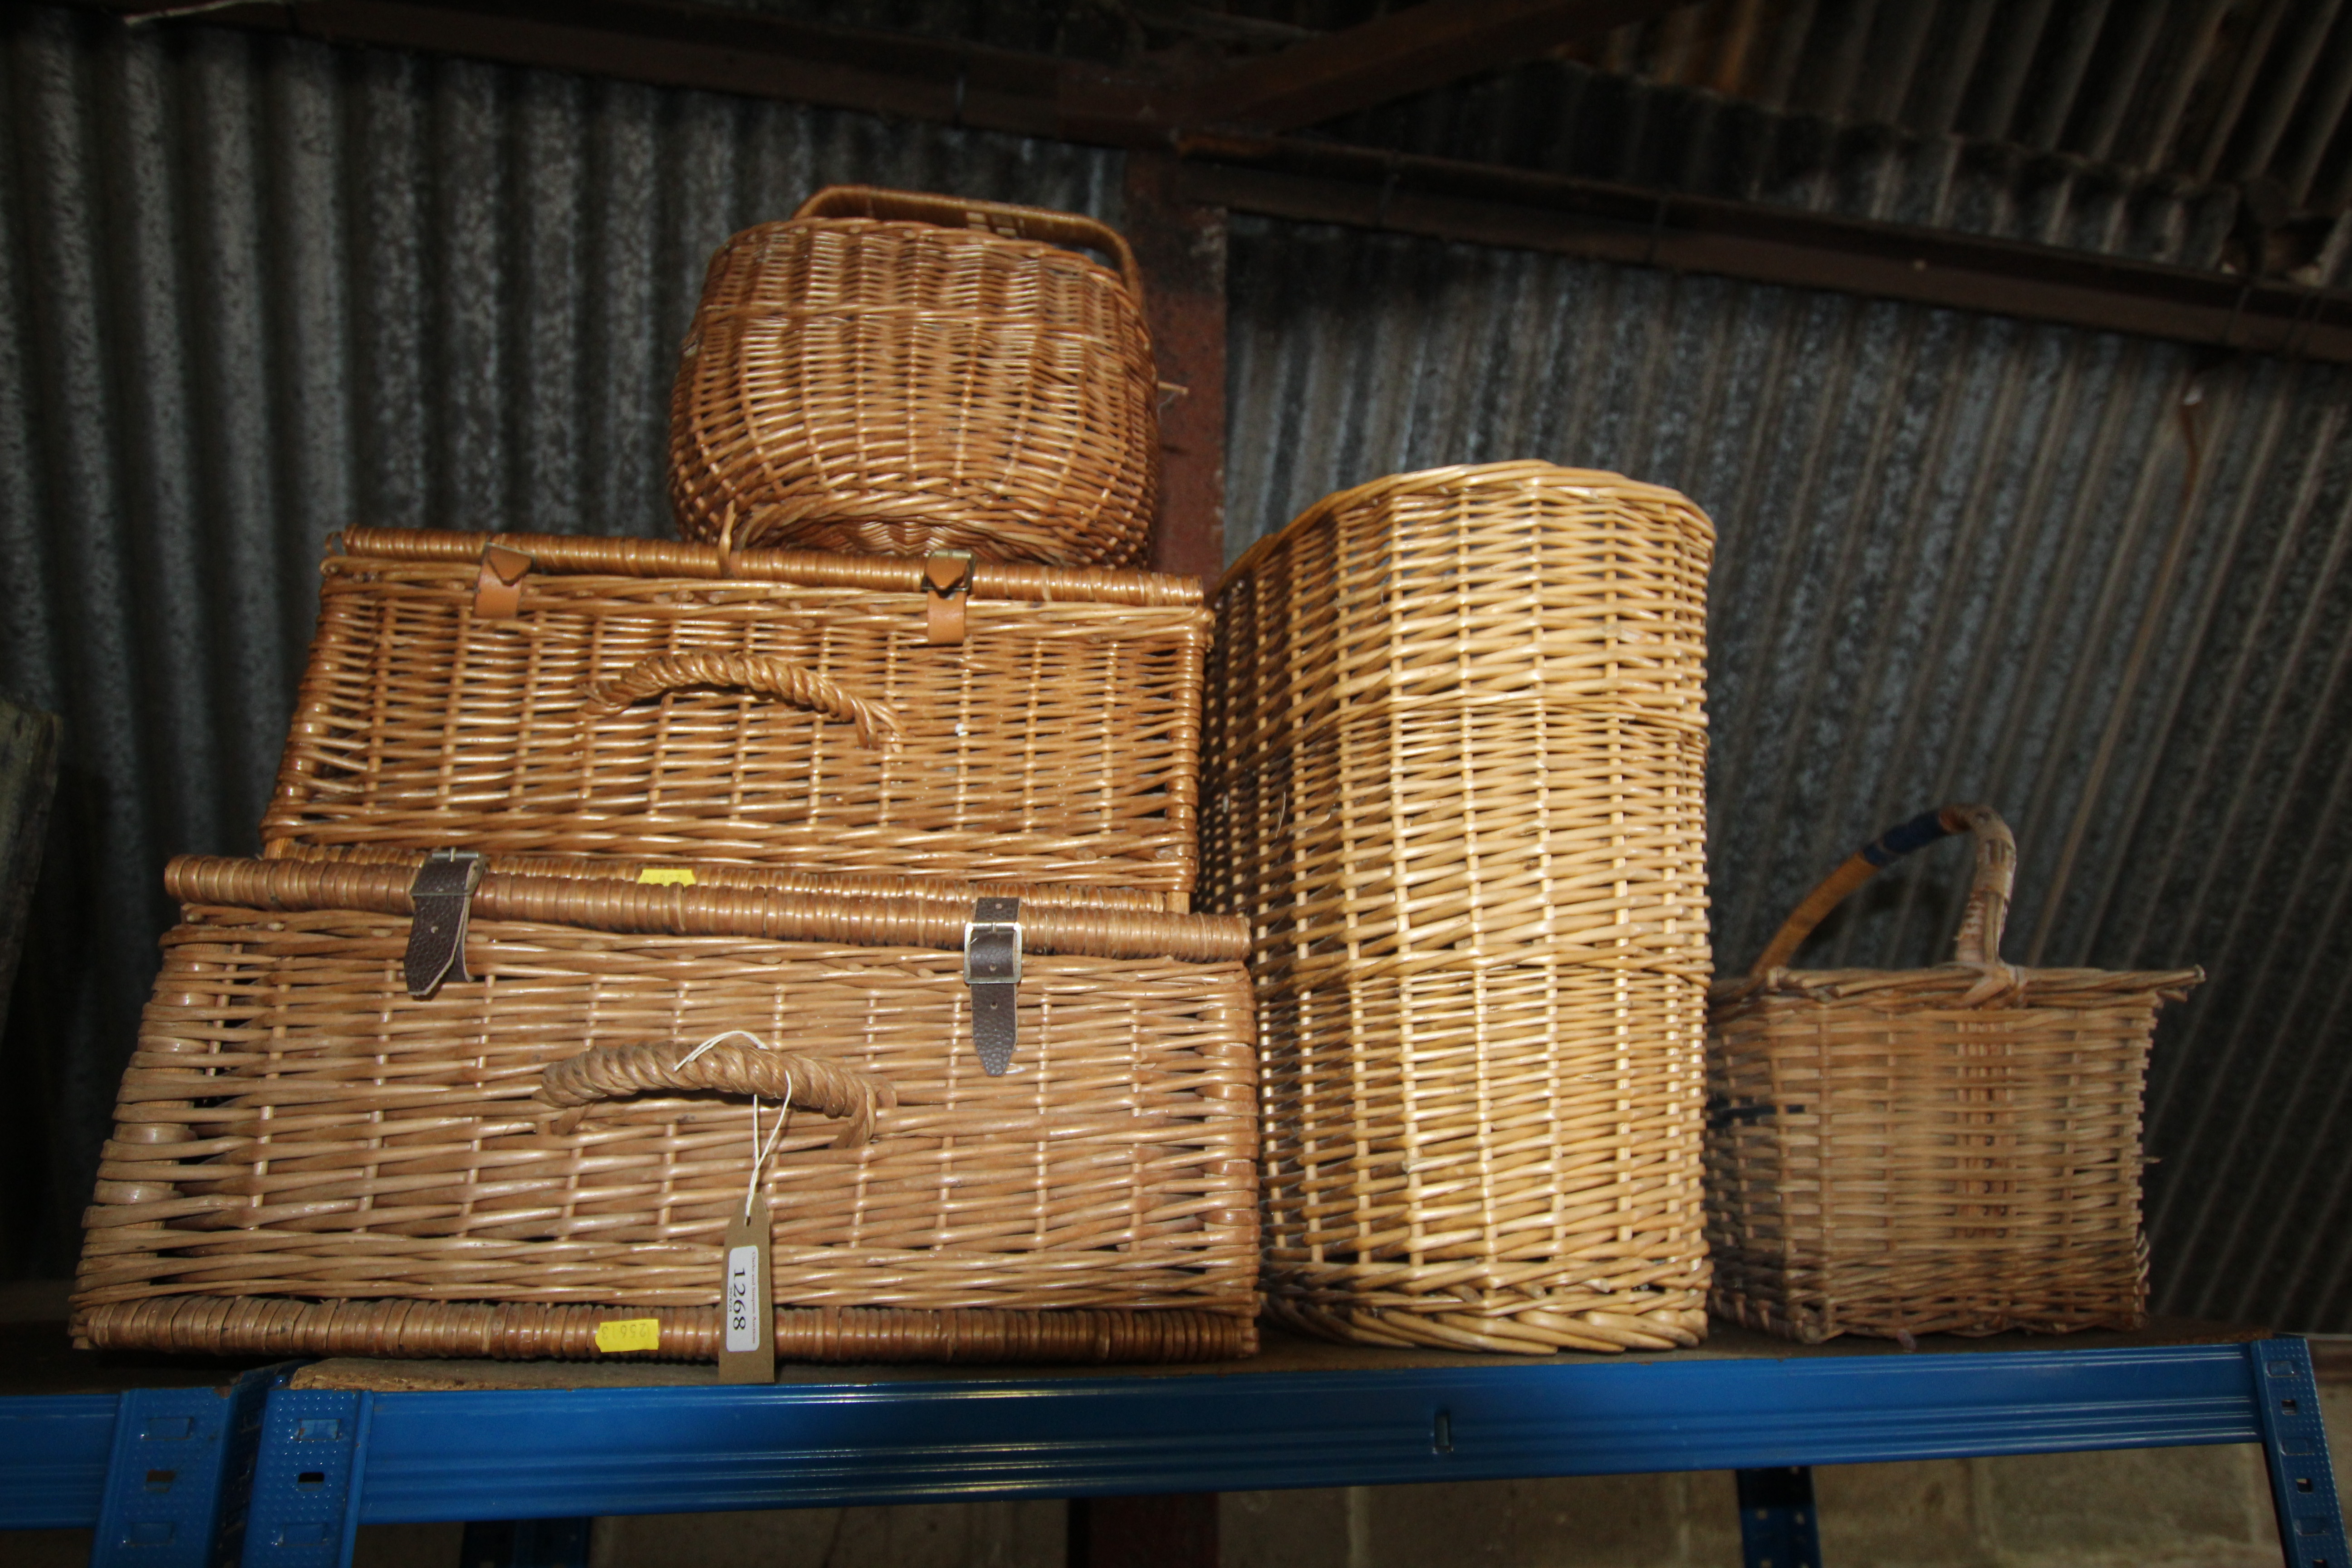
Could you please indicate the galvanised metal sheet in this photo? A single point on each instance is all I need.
(252, 289)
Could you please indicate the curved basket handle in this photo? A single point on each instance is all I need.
(617, 1072)
(1040, 224)
(762, 673)
(1980, 936)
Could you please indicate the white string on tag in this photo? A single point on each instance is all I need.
(723, 1035)
(759, 1154)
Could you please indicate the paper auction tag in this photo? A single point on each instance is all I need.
(628, 1335)
(747, 1311)
(667, 875)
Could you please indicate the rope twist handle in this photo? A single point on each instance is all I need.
(1978, 940)
(617, 1072)
(762, 673)
(1040, 224)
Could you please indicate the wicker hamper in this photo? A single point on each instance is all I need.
(902, 373)
(316, 1151)
(1953, 1150)
(541, 694)
(1454, 762)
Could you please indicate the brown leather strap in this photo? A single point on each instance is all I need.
(947, 581)
(992, 967)
(497, 590)
(443, 889)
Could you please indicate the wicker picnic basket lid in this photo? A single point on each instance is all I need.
(1977, 977)
(903, 372)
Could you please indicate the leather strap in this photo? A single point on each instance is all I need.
(992, 967)
(497, 590)
(443, 889)
(948, 579)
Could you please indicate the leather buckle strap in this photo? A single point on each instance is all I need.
(443, 888)
(498, 589)
(947, 583)
(992, 967)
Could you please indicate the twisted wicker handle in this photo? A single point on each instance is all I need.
(1980, 936)
(1040, 224)
(762, 673)
(615, 1072)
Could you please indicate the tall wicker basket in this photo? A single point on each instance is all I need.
(551, 695)
(316, 1154)
(1953, 1150)
(904, 374)
(1453, 774)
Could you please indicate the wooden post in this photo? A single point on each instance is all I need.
(1177, 1531)
(1181, 249)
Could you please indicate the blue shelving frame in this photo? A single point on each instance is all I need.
(325, 1461)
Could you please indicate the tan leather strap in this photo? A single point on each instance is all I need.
(497, 590)
(946, 584)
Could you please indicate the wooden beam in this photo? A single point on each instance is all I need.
(1405, 52)
(1181, 246)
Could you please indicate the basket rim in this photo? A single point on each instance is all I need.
(1460, 476)
(2015, 984)
(583, 555)
(908, 920)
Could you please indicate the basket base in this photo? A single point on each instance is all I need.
(275, 1326)
(1819, 1322)
(1676, 1320)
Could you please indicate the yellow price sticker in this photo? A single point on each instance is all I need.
(628, 1335)
(667, 875)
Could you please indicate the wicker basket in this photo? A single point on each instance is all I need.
(1953, 1150)
(307, 1159)
(905, 374)
(536, 694)
(1454, 774)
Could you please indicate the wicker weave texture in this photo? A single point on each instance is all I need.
(295, 1126)
(1455, 753)
(1952, 1150)
(916, 381)
(1058, 743)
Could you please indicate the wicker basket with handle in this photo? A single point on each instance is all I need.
(1954, 1149)
(314, 1154)
(902, 373)
(1454, 776)
(544, 694)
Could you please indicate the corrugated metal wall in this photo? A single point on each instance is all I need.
(257, 289)
(254, 288)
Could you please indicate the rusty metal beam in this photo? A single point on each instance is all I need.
(1413, 50)
(1438, 198)
(1181, 246)
(671, 43)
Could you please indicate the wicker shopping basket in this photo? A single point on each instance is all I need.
(1454, 776)
(542, 694)
(1954, 1149)
(902, 373)
(318, 1151)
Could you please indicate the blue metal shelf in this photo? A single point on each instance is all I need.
(330, 1459)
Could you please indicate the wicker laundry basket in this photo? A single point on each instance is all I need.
(538, 694)
(1953, 1150)
(905, 373)
(313, 1154)
(1454, 776)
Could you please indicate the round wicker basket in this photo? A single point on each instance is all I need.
(906, 375)
(1455, 776)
